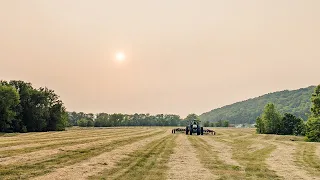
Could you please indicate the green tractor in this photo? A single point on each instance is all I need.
(194, 127)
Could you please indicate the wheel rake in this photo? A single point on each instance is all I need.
(188, 132)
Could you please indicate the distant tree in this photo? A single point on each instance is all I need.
(57, 115)
(313, 129)
(206, 124)
(82, 123)
(300, 128)
(192, 117)
(315, 99)
(225, 123)
(290, 125)
(118, 119)
(212, 124)
(219, 123)
(102, 120)
(313, 123)
(170, 119)
(271, 119)
(73, 118)
(90, 123)
(260, 126)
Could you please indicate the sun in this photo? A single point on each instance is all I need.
(120, 56)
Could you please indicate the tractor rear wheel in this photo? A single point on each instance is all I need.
(191, 129)
(187, 130)
(198, 130)
(201, 130)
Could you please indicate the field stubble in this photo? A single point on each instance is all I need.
(155, 153)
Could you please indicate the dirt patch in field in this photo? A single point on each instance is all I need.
(184, 163)
(282, 162)
(224, 151)
(98, 163)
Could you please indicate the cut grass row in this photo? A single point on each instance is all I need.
(147, 163)
(209, 158)
(60, 146)
(306, 157)
(25, 170)
(66, 137)
(59, 135)
(45, 153)
(253, 163)
(57, 144)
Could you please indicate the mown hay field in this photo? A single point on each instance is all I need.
(155, 153)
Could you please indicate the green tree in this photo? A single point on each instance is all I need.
(212, 124)
(173, 120)
(315, 99)
(9, 98)
(313, 124)
(313, 129)
(36, 110)
(90, 123)
(73, 118)
(290, 125)
(192, 117)
(271, 119)
(300, 128)
(219, 123)
(25, 109)
(260, 126)
(82, 123)
(225, 123)
(206, 124)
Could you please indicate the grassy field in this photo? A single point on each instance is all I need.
(155, 153)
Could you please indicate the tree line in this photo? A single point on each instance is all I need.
(24, 108)
(272, 122)
(119, 119)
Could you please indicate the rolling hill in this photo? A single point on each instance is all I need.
(296, 102)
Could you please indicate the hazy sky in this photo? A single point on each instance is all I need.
(183, 56)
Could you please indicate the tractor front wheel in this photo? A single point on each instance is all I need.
(201, 130)
(187, 130)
